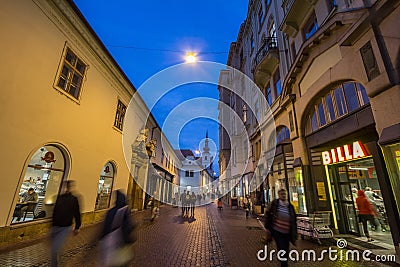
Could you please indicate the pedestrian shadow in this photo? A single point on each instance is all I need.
(181, 220)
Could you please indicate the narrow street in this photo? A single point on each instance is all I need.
(213, 238)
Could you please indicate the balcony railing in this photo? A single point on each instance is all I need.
(270, 43)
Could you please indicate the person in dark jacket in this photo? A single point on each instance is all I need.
(281, 223)
(111, 223)
(65, 210)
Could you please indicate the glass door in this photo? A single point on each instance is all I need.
(343, 199)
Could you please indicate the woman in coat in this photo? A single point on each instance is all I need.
(281, 223)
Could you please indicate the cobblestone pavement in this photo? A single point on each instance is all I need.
(213, 238)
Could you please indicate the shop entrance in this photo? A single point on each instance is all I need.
(346, 179)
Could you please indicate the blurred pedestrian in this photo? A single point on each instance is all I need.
(65, 209)
(115, 247)
(281, 224)
(183, 203)
(247, 205)
(187, 203)
(193, 199)
(155, 207)
(366, 213)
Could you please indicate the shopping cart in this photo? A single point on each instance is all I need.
(316, 226)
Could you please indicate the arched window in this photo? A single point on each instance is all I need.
(105, 186)
(41, 184)
(343, 99)
(282, 134)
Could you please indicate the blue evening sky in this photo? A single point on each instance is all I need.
(145, 37)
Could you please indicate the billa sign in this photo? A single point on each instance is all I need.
(344, 153)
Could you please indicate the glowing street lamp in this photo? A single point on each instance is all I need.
(190, 57)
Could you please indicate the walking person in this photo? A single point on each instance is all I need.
(187, 203)
(115, 247)
(247, 205)
(281, 224)
(65, 210)
(193, 199)
(183, 203)
(366, 213)
(155, 207)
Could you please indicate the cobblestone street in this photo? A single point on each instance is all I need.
(213, 238)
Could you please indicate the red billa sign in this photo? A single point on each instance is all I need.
(344, 153)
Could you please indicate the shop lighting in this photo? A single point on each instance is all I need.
(358, 168)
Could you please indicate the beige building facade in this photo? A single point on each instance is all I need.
(64, 100)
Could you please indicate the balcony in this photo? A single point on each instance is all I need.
(267, 58)
(295, 12)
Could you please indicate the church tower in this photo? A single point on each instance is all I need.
(206, 158)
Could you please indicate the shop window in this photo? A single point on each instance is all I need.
(321, 114)
(44, 174)
(120, 115)
(351, 96)
(105, 187)
(330, 108)
(340, 102)
(71, 74)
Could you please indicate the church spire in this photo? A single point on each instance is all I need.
(206, 148)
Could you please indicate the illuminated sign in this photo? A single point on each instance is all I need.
(344, 153)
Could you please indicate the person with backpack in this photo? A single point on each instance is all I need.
(115, 247)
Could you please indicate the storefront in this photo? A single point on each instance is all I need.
(346, 158)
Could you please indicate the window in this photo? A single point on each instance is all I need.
(120, 115)
(291, 121)
(260, 16)
(329, 108)
(311, 26)
(351, 96)
(105, 187)
(345, 98)
(362, 94)
(257, 110)
(340, 102)
(189, 173)
(278, 85)
(44, 174)
(268, 95)
(162, 156)
(321, 114)
(282, 134)
(314, 123)
(71, 76)
(267, 3)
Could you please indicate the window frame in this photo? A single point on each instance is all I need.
(118, 122)
(73, 71)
